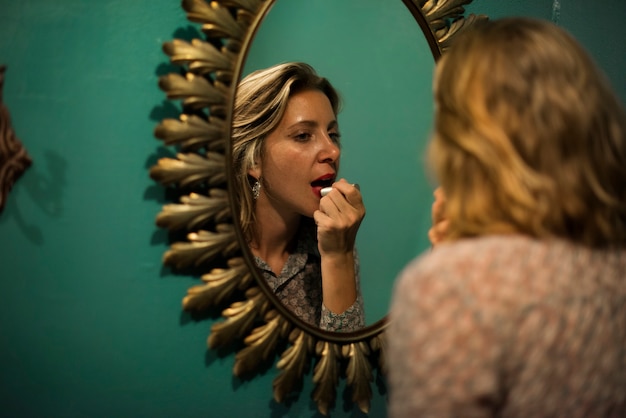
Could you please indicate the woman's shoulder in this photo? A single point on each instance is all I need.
(490, 264)
(506, 266)
(480, 252)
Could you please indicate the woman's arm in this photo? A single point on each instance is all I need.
(351, 319)
(338, 220)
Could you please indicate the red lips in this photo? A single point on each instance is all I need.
(327, 179)
(323, 181)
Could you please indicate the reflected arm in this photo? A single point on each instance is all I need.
(338, 220)
(352, 318)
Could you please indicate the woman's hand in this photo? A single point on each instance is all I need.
(439, 228)
(338, 218)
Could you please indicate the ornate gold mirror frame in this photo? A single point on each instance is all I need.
(201, 174)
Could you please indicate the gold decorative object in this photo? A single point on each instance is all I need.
(214, 243)
(14, 159)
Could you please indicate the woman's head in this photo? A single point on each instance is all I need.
(260, 104)
(528, 136)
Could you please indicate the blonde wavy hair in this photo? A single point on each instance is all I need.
(529, 137)
(260, 103)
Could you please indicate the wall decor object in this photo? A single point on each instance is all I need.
(208, 237)
(14, 159)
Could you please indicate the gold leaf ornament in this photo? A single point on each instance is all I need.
(217, 22)
(359, 373)
(196, 92)
(201, 58)
(240, 318)
(192, 132)
(292, 364)
(189, 170)
(196, 211)
(261, 343)
(326, 375)
(219, 285)
(203, 247)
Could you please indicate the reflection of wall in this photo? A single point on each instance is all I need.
(90, 325)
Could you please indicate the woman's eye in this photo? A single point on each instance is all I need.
(335, 136)
(303, 136)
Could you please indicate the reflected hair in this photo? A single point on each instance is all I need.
(529, 137)
(260, 104)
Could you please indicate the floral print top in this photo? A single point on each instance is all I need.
(299, 286)
(509, 326)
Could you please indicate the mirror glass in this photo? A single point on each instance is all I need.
(377, 57)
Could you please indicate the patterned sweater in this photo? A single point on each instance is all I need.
(509, 326)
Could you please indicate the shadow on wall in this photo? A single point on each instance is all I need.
(45, 190)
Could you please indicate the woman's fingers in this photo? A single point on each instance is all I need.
(439, 205)
(437, 233)
(439, 228)
(344, 200)
(339, 217)
(344, 196)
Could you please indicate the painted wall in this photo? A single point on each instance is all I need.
(90, 323)
(598, 26)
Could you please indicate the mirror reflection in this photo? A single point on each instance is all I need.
(382, 69)
(286, 150)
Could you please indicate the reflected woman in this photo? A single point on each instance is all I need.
(286, 149)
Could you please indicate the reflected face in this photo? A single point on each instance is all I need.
(301, 156)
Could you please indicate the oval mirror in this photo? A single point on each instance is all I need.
(212, 242)
(384, 121)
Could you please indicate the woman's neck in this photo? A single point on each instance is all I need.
(273, 236)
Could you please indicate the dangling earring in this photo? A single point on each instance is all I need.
(256, 190)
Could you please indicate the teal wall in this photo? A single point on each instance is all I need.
(90, 323)
(598, 26)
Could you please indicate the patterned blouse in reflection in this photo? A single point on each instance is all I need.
(299, 287)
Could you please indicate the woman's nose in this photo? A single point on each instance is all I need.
(330, 151)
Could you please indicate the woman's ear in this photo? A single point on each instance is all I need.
(255, 170)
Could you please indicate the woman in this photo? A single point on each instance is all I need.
(286, 149)
(520, 309)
